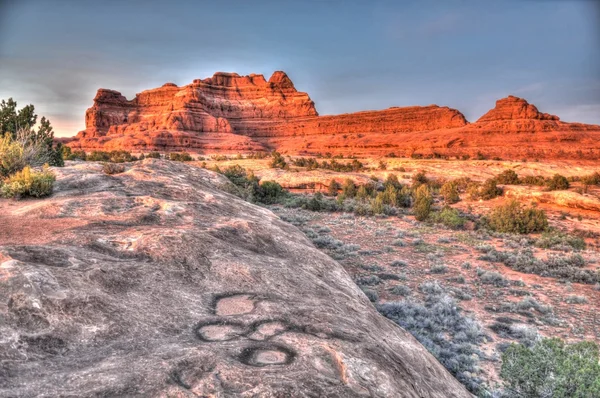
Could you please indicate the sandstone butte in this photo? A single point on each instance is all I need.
(233, 113)
(157, 282)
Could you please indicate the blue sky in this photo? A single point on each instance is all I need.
(348, 55)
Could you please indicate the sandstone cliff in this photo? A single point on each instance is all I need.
(232, 113)
(155, 282)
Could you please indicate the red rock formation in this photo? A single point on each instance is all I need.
(229, 112)
(511, 108)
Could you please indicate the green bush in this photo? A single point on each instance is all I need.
(557, 240)
(423, 203)
(489, 190)
(349, 188)
(551, 368)
(69, 154)
(449, 192)
(28, 182)
(26, 149)
(250, 188)
(333, 188)
(513, 218)
(112, 156)
(592, 179)
(419, 178)
(37, 146)
(180, 157)
(112, 168)
(269, 192)
(377, 204)
(557, 183)
(449, 217)
(153, 155)
(508, 177)
(278, 161)
(362, 193)
(534, 180)
(392, 180)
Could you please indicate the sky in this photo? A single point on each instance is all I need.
(349, 55)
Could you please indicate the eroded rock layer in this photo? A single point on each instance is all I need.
(232, 113)
(156, 282)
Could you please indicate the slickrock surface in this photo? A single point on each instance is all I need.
(155, 282)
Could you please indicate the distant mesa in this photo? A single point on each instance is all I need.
(232, 113)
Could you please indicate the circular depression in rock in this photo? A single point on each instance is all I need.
(234, 305)
(267, 329)
(220, 331)
(267, 355)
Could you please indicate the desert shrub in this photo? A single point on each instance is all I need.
(423, 203)
(574, 299)
(492, 278)
(269, 192)
(438, 269)
(489, 190)
(399, 263)
(508, 177)
(529, 303)
(36, 146)
(449, 217)
(534, 180)
(333, 188)
(69, 154)
(377, 205)
(551, 368)
(112, 156)
(472, 190)
(278, 161)
(362, 193)
(250, 188)
(98, 156)
(390, 195)
(112, 168)
(25, 150)
(404, 197)
(153, 155)
(389, 277)
(419, 178)
(449, 192)
(28, 182)
(368, 280)
(570, 268)
(431, 288)
(592, 179)
(371, 295)
(257, 155)
(559, 240)
(180, 157)
(573, 260)
(349, 188)
(392, 180)
(557, 182)
(439, 324)
(400, 290)
(512, 218)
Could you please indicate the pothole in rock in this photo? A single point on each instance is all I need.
(267, 330)
(219, 331)
(267, 355)
(234, 305)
